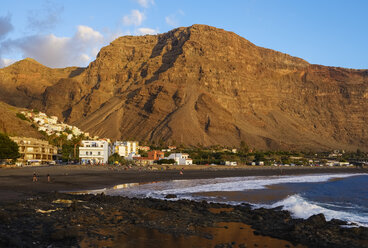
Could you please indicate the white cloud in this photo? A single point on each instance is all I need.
(143, 31)
(135, 18)
(54, 51)
(110, 35)
(45, 18)
(87, 34)
(4, 62)
(170, 20)
(145, 3)
(84, 57)
(173, 19)
(5, 26)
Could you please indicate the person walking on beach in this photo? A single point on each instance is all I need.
(181, 172)
(48, 178)
(34, 177)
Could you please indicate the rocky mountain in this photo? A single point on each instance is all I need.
(200, 85)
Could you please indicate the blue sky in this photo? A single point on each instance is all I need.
(70, 33)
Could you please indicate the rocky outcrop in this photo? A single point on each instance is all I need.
(59, 220)
(203, 85)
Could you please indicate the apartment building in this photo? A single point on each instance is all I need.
(94, 151)
(124, 148)
(34, 151)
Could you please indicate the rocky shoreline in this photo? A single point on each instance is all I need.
(67, 220)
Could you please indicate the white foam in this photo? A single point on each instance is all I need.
(186, 187)
(297, 205)
(244, 183)
(301, 208)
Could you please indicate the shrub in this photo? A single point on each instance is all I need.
(166, 161)
(21, 116)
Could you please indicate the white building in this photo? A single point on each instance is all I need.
(94, 151)
(124, 148)
(181, 158)
(39, 120)
(76, 131)
(231, 163)
(53, 120)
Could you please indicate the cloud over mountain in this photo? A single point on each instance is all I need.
(5, 26)
(55, 51)
(134, 18)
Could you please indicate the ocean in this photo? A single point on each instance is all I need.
(339, 196)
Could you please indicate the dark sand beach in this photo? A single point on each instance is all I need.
(16, 183)
(34, 214)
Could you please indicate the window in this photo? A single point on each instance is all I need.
(99, 153)
(86, 153)
(90, 153)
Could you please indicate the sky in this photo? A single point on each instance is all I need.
(70, 33)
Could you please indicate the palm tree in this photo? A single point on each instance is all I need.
(77, 141)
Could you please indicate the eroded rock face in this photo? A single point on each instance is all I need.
(203, 85)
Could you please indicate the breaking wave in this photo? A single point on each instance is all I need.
(302, 208)
(299, 203)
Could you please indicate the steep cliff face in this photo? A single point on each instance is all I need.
(202, 85)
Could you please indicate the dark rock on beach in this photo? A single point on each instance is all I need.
(170, 196)
(64, 220)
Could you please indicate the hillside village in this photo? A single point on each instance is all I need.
(87, 150)
(92, 150)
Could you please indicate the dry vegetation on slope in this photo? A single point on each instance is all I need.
(14, 126)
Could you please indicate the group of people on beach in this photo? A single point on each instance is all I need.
(35, 177)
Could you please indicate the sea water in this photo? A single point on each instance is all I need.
(340, 196)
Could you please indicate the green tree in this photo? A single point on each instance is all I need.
(359, 153)
(21, 116)
(243, 147)
(259, 156)
(66, 151)
(114, 158)
(165, 161)
(142, 153)
(117, 158)
(285, 160)
(8, 148)
(77, 141)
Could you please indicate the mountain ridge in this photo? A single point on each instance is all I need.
(201, 85)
